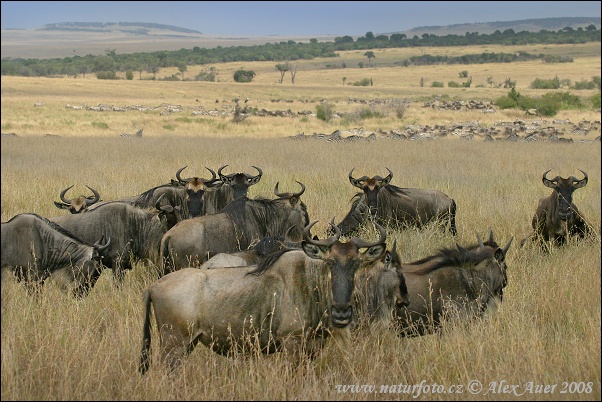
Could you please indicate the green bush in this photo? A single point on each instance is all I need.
(106, 75)
(539, 83)
(363, 83)
(325, 111)
(244, 75)
(595, 99)
(437, 84)
(505, 102)
(453, 84)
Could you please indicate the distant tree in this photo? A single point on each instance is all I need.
(182, 68)
(370, 55)
(283, 68)
(292, 69)
(369, 35)
(244, 75)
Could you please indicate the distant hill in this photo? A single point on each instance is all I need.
(532, 25)
(135, 28)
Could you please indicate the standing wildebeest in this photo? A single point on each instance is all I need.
(34, 248)
(188, 193)
(193, 241)
(77, 204)
(290, 303)
(454, 283)
(390, 205)
(557, 217)
(134, 232)
(235, 186)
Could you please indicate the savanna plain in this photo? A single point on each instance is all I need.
(546, 331)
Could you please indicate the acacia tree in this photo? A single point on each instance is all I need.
(292, 69)
(283, 68)
(370, 55)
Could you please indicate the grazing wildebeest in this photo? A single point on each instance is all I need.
(454, 283)
(135, 233)
(33, 248)
(77, 204)
(393, 206)
(235, 186)
(291, 303)
(193, 241)
(557, 217)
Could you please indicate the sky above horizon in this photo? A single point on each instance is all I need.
(297, 18)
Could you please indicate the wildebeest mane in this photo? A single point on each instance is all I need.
(454, 257)
(268, 261)
(262, 212)
(56, 227)
(146, 197)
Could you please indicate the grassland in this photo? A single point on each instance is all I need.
(547, 330)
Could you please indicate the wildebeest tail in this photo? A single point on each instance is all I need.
(452, 218)
(146, 335)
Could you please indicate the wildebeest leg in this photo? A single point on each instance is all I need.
(173, 348)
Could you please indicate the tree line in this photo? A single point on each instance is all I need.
(107, 65)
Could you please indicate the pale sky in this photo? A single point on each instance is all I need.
(297, 18)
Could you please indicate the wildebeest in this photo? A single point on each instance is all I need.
(235, 186)
(77, 204)
(254, 254)
(289, 304)
(557, 217)
(393, 206)
(33, 248)
(193, 241)
(135, 233)
(454, 283)
(196, 189)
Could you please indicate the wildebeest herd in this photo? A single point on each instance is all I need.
(236, 272)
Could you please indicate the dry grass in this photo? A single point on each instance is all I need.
(313, 84)
(547, 330)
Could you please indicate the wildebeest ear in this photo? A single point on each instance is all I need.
(313, 250)
(375, 252)
(499, 255)
(61, 206)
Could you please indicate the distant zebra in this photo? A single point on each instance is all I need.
(126, 135)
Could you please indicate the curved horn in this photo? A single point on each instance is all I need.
(102, 247)
(547, 182)
(66, 201)
(178, 175)
(158, 203)
(219, 171)
(259, 174)
(389, 177)
(213, 178)
(361, 243)
(326, 242)
(354, 182)
(300, 192)
(582, 182)
(96, 196)
(491, 241)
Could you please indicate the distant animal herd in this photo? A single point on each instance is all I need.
(229, 265)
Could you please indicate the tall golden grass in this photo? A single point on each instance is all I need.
(546, 332)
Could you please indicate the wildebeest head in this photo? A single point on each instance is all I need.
(371, 187)
(342, 259)
(240, 182)
(294, 201)
(169, 215)
(563, 192)
(195, 188)
(77, 204)
(497, 287)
